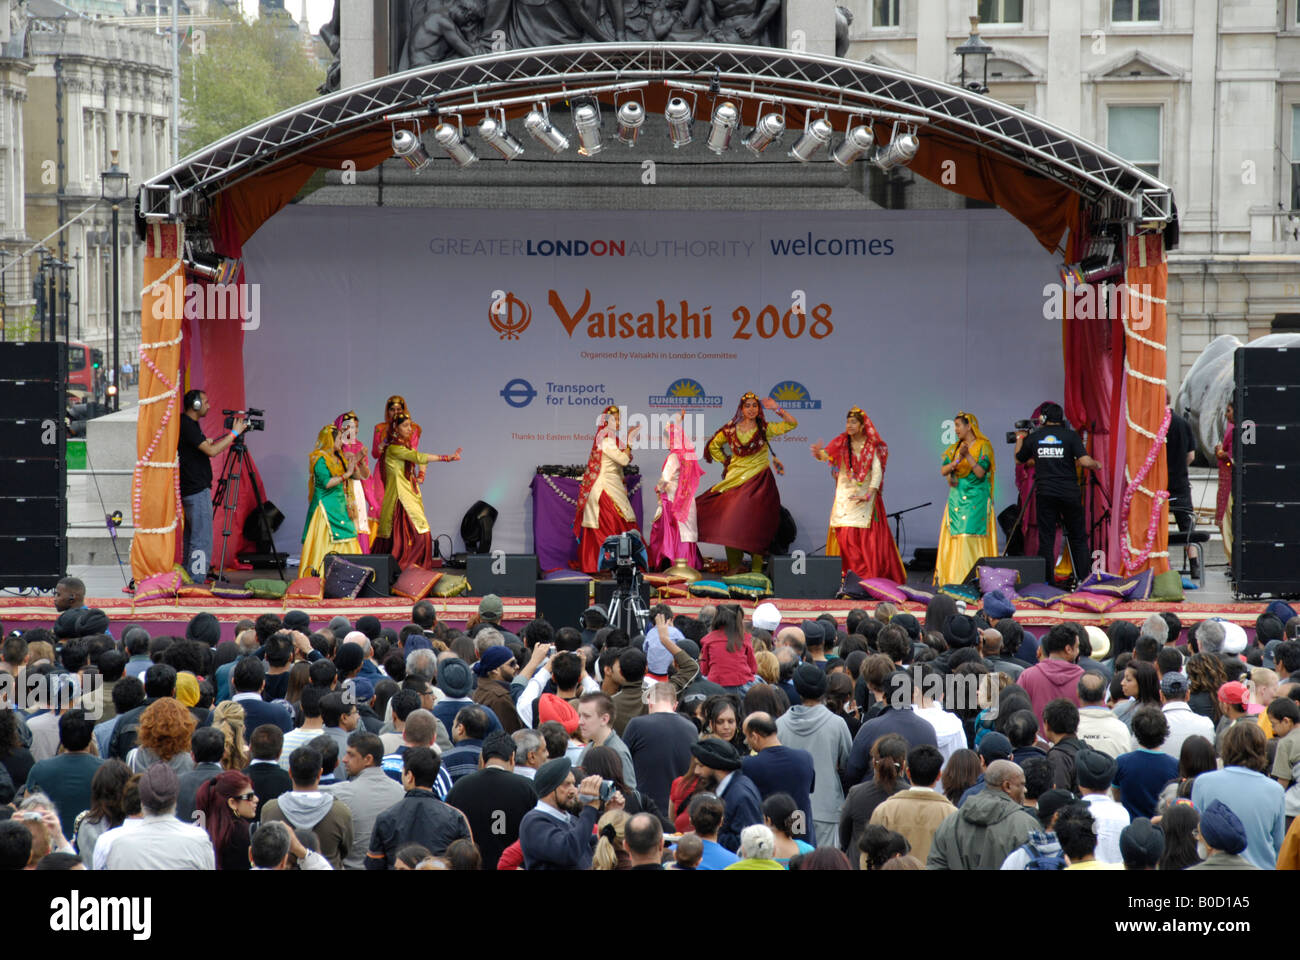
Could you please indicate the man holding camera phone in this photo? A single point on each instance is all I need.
(1056, 451)
(195, 452)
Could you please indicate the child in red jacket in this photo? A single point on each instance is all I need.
(727, 652)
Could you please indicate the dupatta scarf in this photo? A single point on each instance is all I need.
(690, 472)
(840, 450)
(324, 450)
(730, 433)
(951, 452)
(391, 439)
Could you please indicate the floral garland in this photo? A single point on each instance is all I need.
(147, 459)
(1157, 498)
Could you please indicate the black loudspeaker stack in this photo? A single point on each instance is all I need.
(804, 577)
(33, 465)
(505, 574)
(561, 602)
(1266, 472)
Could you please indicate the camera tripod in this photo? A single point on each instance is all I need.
(626, 608)
(226, 496)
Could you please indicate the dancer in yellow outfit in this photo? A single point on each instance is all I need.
(743, 510)
(968, 530)
(403, 529)
(329, 527)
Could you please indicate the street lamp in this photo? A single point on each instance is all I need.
(113, 188)
(976, 78)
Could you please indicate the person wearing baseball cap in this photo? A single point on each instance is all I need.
(490, 612)
(1234, 703)
(1183, 721)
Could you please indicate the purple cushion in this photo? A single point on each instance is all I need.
(1040, 595)
(998, 578)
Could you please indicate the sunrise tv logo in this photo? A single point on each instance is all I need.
(793, 395)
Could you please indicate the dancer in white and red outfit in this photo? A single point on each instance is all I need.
(603, 509)
(674, 535)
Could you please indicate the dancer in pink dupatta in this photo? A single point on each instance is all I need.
(674, 535)
(363, 512)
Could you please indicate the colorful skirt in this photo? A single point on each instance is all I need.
(319, 541)
(959, 553)
(666, 544)
(868, 551)
(409, 548)
(612, 523)
(745, 517)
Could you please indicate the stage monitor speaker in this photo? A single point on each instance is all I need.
(605, 592)
(33, 400)
(33, 516)
(1272, 443)
(33, 478)
(1270, 522)
(33, 439)
(561, 602)
(506, 574)
(1271, 403)
(39, 562)
(386, 573)
(806, 578)
(1028, 569)
(33, 360)
(1267, 365)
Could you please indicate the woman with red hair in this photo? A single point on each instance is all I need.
(859, 531)
(163, 737)
(229, 806)
(603, 509)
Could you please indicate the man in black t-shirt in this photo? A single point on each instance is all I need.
(1055, 450)
(1180, 450)
(195, 452)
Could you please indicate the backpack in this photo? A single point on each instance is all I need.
(1041, 861)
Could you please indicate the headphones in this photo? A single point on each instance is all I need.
(197, 400)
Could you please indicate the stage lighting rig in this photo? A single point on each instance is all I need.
(496, 135)
(408, 145)
(630, 116)
(903, 144)
(858, 141)
(586, 122)
(539, 127)
(816, 134)
(452, 139)
(210, 266)
(726, 117)
(680, 116)
(769, 128)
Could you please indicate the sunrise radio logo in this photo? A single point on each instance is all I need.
(685, 392)
(509, 315)
(794, 396)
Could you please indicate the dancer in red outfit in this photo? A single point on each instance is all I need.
(859, 531)
(603, 507)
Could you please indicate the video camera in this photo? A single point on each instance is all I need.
(252, 415)
(1022, 426)
(624, 552)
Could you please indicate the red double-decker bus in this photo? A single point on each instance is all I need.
(86, 370)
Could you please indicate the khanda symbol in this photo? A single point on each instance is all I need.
(509, 315)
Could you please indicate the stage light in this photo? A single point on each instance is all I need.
(630, 117)
(407, 145)
(210, 266)
(586, 121)
(768, 129)
(497, 136)
(857, 141)
(679, 115)
(1090, 270)
(723, 126)
(539, 127)
(815, 136)
(452, 139)
(903, 145)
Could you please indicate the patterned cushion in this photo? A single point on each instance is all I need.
(1094, 602)
(267, 589)
(161, 586)
(960, 591)
(673, 593)
(1040, 595)
(194, 593)
(304, 588)
(712, 589)
(883, 589)
(665, 580)
(450, 585)
(916, 594)
(230, 591)
(852, 588)
(739, 591)
(1168, 586)
(415, 583)
(748, 586)
(1130, 588)
(186, 579)
(998, 578)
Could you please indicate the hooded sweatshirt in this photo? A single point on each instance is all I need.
(324, 813)
(1049, 679)
(826, 737)
(982, 834)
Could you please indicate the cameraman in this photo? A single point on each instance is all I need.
(1055, 450)
(195, 453)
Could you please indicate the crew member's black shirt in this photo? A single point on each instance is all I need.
(195, 465)
(1054, 448)
(1179, 442)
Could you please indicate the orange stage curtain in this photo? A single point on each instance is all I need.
(1144, 372)
(155, 485)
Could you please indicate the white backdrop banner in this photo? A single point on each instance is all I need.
(509, 331)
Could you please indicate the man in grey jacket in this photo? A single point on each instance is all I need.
(811, 726)
(988, 827)
(368, 792)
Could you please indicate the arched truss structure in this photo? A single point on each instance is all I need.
(805, 85)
